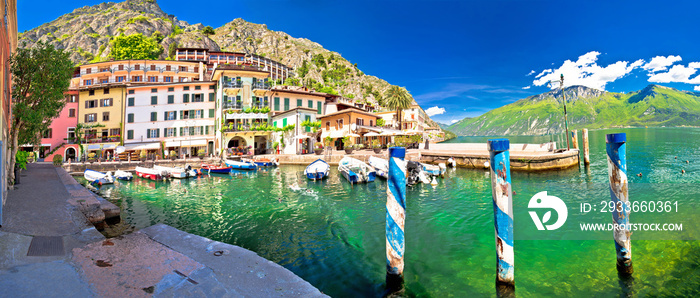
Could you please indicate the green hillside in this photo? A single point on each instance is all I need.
(587, 108)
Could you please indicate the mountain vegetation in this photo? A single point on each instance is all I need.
(543, 114)
(93, 34)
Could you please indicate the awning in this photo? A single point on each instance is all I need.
(186, 143)
(371, 134)
(302, 137)
(109, 146)
(388, 133)
(93, 147)
(246, 116)
(143, 146)
(353, 135)
(337, 134)
(45, 145)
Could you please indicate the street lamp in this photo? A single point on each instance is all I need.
(566, 122)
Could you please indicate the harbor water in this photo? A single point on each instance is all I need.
(332, 234)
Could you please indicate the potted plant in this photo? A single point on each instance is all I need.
(201, 154)
(376, 146)
(347, 145)
(173, 154)
(142, 156)
(91, 157)
(275, 146)
(318, 148)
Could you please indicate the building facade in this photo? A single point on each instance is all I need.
(301, 139)
(60, 138)
(346, 122)
(276, 70)
(177, 117)
(8, 45)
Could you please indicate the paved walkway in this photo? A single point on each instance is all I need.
(156, 261)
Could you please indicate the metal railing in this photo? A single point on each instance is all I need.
(236, 84)
(261, 85)
(231, 105)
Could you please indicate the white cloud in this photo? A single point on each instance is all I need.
(432, 111)
(697, 88)
(586, 71)
(660, 63)
(532, 72)
(454, 121)
(526, 87)
(677, 74)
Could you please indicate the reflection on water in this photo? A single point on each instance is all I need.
(333, 234)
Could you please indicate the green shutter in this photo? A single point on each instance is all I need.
(181, 131)
(211, 113)
(192, 116)
(157, 132)
(277, 103)
(175, 116)
(182, 115)
(307, 118)
(148, 133)
(274, 123)
(154, 100)
(129, 134)
(286, 104)
(185, 98)
(225, 98)
(171, 98)
(211, 96)
(154, 116)
(165, 116)
(311, 104)
(201, 97)
(284, 122)
(130, 118)
(206, 130)
(298, 102)
(131, 102)
(319, 107)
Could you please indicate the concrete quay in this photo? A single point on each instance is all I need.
(49, 248)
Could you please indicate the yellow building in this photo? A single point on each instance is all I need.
(103, 107)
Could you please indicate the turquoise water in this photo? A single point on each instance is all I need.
(333, 235)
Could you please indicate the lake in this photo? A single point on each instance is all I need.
(332, 235)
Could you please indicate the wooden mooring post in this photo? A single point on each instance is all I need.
(395, 218)
(617, 172)
(503, 212)
(586, 156)
(574, 138)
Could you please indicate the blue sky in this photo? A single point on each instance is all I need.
(463, 58)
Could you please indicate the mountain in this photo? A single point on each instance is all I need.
(587, 108)
(87, 31)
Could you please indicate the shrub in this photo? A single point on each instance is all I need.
(57, 160)
(21, 159)
(376, 144)
(318, 145)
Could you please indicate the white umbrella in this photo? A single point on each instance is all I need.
(387, 133)
(371, 134)
(302, 137)
(352, 135)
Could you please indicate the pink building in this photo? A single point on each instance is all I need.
(59, 138)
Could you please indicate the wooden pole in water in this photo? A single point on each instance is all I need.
(617, 172)
(586, 157)
(502, 210)
(574, 138)
(395, 218)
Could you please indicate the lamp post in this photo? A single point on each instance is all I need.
(566, 122)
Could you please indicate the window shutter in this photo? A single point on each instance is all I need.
(171, 98)
(86, 104)
(181, 130)
(148, 133)
(238, 98)
(225, 98)
(165, 115)
(206, 130)
(154, 100)
(211, 113)
(157, 132)
(130, 134)
(85, 118)
(192, 116)
(201, 113)
(174, 115)
(185, 98)
(182, 116)
(201, 97)
(102, 103)
(211, 96)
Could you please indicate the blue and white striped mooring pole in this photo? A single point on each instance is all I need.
(502, 210)
(395, 217)
(617, 172)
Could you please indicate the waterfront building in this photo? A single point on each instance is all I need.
(285, 98)
(301, 139)
(121, 72)
(243, 109)
(178, 117)
(101, 114)
(345, 122)
(60, 137)
(8, 45)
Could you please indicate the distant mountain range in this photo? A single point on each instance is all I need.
(587, 108)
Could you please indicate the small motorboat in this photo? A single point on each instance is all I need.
(212, 168)
(123, 175)
(263, 162)
(150, 173)
(317, 170)
(178, 172)
(414, 171)
(241, 165)
(96, 177)
(433, 170)
(381, 166)
(356, 171)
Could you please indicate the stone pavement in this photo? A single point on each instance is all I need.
(156, 261)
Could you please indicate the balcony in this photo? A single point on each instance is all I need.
(233, 106)
(233, 84)
(261, 85)
(260, 105)
(245, 128)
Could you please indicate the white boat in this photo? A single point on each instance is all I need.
(241, 165)
(452, 162)
(150, 173)
(433, 170)
(177, 172)
(96, 177)
(123, 175)
(356, 171)
(381, 166)
(317, 170)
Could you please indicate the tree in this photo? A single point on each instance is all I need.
(135, 46)
(397, 98)
(208, 30)
(380, 122)
(41, 75)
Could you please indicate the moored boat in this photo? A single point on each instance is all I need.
(433, 170)
(317, 170)
(96, 177)
(213, 168)
(241, 165)
(150, 173)
(381, 166)
(264, 162)
(178, 172)
(123, 175)
(356, 171)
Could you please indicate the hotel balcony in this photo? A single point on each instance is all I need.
(233, 84)
(232, 106)
(261, 85)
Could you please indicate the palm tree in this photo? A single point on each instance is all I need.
(397, 98)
